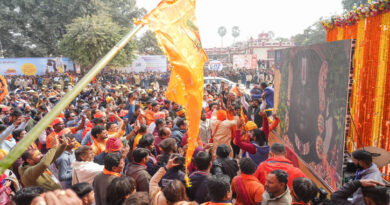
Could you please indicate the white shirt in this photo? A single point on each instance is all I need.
(85, 171)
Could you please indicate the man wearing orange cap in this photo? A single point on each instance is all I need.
(100, 115)
(180, 115)
(221, 129)
(59, 130)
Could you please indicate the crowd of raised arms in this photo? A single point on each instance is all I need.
(122, 142)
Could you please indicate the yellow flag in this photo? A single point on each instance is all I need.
(175, 27)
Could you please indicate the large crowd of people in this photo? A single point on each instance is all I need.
(122, 142)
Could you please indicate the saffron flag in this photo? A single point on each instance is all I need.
(175, 27)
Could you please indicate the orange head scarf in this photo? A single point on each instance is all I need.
(250, 125)
(221, 115)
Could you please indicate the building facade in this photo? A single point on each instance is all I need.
(263, 47)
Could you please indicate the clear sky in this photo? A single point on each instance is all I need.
(284, 17)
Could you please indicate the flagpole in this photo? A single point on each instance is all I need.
(31, 136)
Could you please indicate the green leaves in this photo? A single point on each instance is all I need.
(147, 44)
(31, 28)
(89, 38)
(348, 4)
(312, 35)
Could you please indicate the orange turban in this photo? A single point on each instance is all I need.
(221, 115)
(57, 121)
(250, 125)
(180, 112)
(113, 144)
(99, 115)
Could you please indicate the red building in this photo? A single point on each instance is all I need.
(264, 47)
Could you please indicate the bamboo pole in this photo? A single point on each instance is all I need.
(31, 136)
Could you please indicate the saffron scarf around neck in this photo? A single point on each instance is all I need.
(108, 172)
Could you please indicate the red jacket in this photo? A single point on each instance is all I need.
(278, 163)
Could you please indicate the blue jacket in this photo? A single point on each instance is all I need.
(87, 138)
(269, 96)
(64, 164)
(256, 93)
(177, 134)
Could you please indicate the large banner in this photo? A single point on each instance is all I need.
(245, 61)
(154, 63)
(313, 85)
(35, 66)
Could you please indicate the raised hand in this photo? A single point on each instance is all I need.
(172, 163)
(58, 197)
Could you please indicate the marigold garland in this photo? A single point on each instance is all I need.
(370, 99)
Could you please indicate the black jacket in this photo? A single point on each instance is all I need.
(340, 197)
(198, 191)
(227, 166)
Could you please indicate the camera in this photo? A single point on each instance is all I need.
(322, 198)
(180, 160)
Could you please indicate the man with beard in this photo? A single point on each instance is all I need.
(204, 129)
(253, 110)
(35, 169)
(99, 136)
(174, 110)
(366, 170)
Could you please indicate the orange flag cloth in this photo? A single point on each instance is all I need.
(175, 27)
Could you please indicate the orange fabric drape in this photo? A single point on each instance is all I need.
(370, 99)
(175, 27)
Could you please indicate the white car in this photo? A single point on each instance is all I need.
(218, 80)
